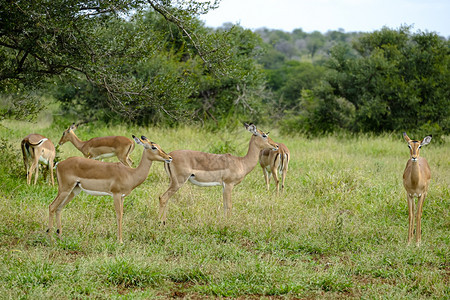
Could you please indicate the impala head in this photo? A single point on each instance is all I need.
(263, 141)
(66, 134)
(414, 146)
(154, 151)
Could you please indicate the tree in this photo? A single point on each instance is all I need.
(171, 82)
(94, 40)
(315, 41)
(397, 80)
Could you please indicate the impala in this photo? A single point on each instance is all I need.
(100, 147)
(416, 178)
(273, 161)
(37, 148)
(97, 178)
(207, 169)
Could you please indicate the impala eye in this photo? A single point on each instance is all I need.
(154, 148)
(409, 146)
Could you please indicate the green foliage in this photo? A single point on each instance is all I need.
(318, 112)
(388, 80)
(12, 163)
(288, 81)
(398, 80)
(300, 45)
(18, 105)
(144, 62)
(154, 62)
(169, 83)
(223, 147)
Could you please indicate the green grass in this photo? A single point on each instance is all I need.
(338, 231)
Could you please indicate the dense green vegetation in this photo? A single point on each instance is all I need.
(154, 62)
(338, 231)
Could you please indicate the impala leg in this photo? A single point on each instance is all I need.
(27, 167)
(60, 198)
(274, 171)
(118, 206)
(34, 165)
(283, 175)
(410, 218)
(164, 199)
(57, 206)
(69, 198)
(266, 178)
(25, 157)
(124, 160)
(420, 202)
(29, 172)
(52, 208)
(227, 204)
(36, 172)
(129, 161)
(50, 166)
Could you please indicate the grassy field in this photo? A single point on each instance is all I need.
(338, 231)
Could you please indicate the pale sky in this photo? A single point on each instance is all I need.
(324, 15)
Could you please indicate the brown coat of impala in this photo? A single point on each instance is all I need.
(37, 149)
(273, 161)
(207, 169)
(97, 178)
(416, 178)
(100, 147)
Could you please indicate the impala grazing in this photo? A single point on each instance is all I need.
(273, 161)
(100, 147)
(37, 149)
(416, 178)
(97, 178)
(207, 169)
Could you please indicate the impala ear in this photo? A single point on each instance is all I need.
(405, 136)
(137, 140)
(426, 140)
(251, 127)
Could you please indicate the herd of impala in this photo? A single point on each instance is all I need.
(88, 174)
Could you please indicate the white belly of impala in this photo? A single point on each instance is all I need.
(94, 193)
(199, 183)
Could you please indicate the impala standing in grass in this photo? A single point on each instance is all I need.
(97, 178)
(100, 147)
(273, 161)
(207, 169)
(37, 149)
(416, 178)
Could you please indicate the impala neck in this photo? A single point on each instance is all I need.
(250, 160)
(76, 141)
(415, 172)
(140, 173)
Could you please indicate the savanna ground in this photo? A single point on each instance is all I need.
(338, 231)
